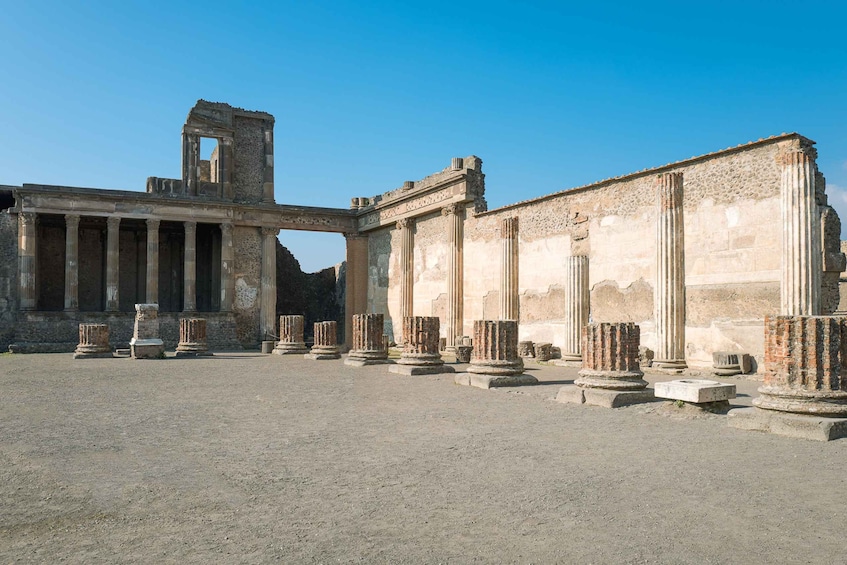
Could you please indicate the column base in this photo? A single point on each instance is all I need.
(87, 355)
(295, 348)
(816, 428)
(192, 351)
(414, 370)
(497, 368)
(814, 403)
(494, 381)
(421, 359)
(672, 366)
(603, 397)
(611, 380)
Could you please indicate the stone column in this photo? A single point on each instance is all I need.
(801, 240)
(509, 299)
(356, 283)
(71, 262)
(420, 347)
(190, 163)
(189, 286)
(670, 279)
(113, 226)
(93, 342)
(407, 267)
(145, 342)
(577, 300)
(326, 342)
(267, 308)
(805, 365)
(27, 262)
(368, 344)
(291, 336)
(268, 179)
(495, 348)
(227, 268)
(225, 157)
(610, 357)
(152, 261)
(455, 297)
(192, 338)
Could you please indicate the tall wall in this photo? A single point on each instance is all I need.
(8, 277)
(249, 155)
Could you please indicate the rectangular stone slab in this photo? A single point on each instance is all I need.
(801, 426)
(414, 370)
(491, 381)
(695, 390)
(604, 398)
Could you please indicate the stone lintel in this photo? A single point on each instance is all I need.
(816, 428)
(494, 381)
(414, 370)
(602, 397)
(697, 391)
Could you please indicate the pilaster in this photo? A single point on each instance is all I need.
(407, 267)
(577, 300)
(670, 279)
(356, 282)
(71, 262)
(227, 266)
(455, 242)
(268, 293)
(189, 300)
(113, 224)
(152, 286)
(509, 298)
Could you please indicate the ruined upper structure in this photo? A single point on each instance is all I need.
(696, 252)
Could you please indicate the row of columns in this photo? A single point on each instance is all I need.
(27, 245)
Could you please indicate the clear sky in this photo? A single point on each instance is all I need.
(550, 95)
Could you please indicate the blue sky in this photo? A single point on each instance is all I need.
(369, 94)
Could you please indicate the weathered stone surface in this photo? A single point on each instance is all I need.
(420, 341)
(496, 348)
(543, 351)
(526, 349)
(145, 342)
(494, 381)
(816, 428)
(463, 353)
(727, 363)
(805, 365)
(291, 336)
(192, 338)
(326, 342)
(610, 357)
(670, 281)
(697, 391)
(603, 398)
(93, 341)
(368, 343)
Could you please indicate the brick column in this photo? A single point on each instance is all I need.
(455, 243)
(420, 341)
(670, 279)
(267, 308)
(71, 262)
(356, 283)
(152, 294)
(368, 346)
(495, 348)
(805, 365)
(192, 338)
(509, 299)
(93, 342)
(189, 296)
(227, 267)
(326, 342)
(407, 268)
(27, 262)
(577, 300)
(801, 239)
(610, 357)
(291, 336)
(113, 225)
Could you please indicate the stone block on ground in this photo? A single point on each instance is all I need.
(603, 397)
(414, 370)
(816, 428)
(494, 381)
(697, 391)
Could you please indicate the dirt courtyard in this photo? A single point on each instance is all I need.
(249, 458)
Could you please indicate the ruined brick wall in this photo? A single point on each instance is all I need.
(247, 244)
(8, 277)
(249, 156)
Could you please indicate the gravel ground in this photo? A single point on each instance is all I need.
(246, 458)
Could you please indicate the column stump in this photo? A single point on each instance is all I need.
(192, 338)
(291, 336)
(93, 342)
(145, 342)
(326, 342)
(495, 361)
(368, 341)
(805, 380)
(420, 348)
(610, 376)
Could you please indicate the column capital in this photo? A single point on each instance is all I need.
(405, 223)
(509, 227)
(270, 231)
(226, 228)
(153, 223)
(355, 235)
(72, 221)
(190, 227)
(454, 209)
(27, 218)
(113, 222)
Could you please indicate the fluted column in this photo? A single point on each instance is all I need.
(455, 243)
(577, 301)
(801, 240)
(421, 335)
(356, 282)
(71, 262)
(509, 299)
(227, 268)
(267, 309)
(192, 338)
(407, 267)
(291, 336)
(670, 279)
(113, 226)
(326, 342)
(93, 341)
(610, 357)
(27, 246)
(189, 297)
(495, 349)
(152, 287)
(368, 346)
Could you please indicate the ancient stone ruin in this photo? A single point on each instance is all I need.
(326, 342)
(93, 342)
(145, 342)
(192, 338)
(291, 340)
(368, 343)
(420, 348)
